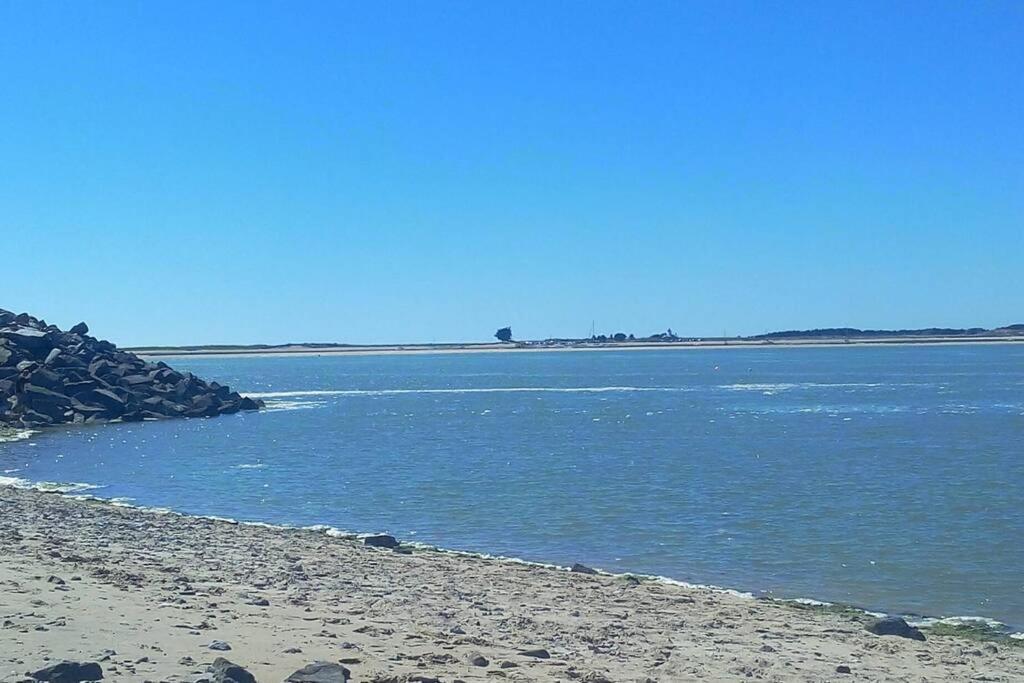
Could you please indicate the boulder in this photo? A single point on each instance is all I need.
(44, 377)
(582, 569)
(5, 355)
(69, 672)
(26, 337)
(381, 541)
(80, 329)
(320, 672)
(894, 626)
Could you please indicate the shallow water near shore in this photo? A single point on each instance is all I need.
(889, 478)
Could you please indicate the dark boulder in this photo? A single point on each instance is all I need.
(320, 672)
(102, 397)
(582, 569)
(69, 672)
(26, 337)
(381, 541)
(895, 626)
(80, 329)
(44, 377)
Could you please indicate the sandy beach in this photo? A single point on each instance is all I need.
(165, 352)
(145, 594)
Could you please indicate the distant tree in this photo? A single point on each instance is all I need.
(631, 337)
(619, 336)
(504, 334)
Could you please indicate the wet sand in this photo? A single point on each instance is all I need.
(81, 578)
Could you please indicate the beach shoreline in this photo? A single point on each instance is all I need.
(175, 583)
(432, 349)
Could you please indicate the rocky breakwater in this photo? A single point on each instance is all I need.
(49, 376)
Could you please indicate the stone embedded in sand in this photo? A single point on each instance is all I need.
(381, 541)
(895, 626)
(842, 669)
(69, 672)
(224, 671)
(320, 672)
(582, 569)
(477, 659)
(539, 653)
(219, 645)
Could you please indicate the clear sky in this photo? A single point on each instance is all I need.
(177, 172)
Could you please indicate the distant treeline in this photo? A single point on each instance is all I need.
(849, 332)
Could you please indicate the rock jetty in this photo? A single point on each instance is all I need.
(48, 377)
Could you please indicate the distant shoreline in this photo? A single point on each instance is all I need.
(525, 347)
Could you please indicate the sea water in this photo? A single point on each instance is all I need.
(886, 477)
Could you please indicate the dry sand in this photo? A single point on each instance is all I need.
(430, 349)
(78, 578)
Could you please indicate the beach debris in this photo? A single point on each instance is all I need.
(539, 653)
(224, 671)
(320, 672)
(895, 626)
(381, 541)
(219, 645)
(843, 669)
(578, 568)
(69, 672)
(50, 377)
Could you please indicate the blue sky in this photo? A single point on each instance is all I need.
(178, 172)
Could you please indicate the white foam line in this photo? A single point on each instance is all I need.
(70, 491)
(16, 435)
(481, 390)
(47, 486)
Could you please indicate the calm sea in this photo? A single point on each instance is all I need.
(889, 478)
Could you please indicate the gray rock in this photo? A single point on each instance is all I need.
(381, 541)
(26, 337)
(320, 672)
(582, 569)
(477, 659)
(895, 626)
(79, 329)
(219, 645)
(539, 653)
(223, 671)
(69, 672)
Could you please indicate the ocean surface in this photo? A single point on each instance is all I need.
(888, 478)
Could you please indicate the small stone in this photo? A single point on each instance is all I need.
(219, 645)
(224, 671)
(539, 653)
(477, 659)
(842, 669)
(320, 672)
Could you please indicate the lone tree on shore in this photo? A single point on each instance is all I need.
(504, 334)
